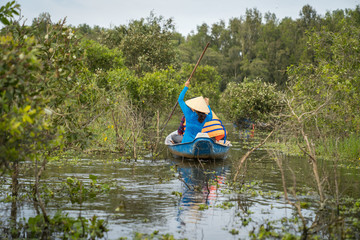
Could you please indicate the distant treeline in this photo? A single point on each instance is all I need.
(253, 45)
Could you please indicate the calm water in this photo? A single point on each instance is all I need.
(186, 198)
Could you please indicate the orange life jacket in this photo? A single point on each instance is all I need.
(213, 128)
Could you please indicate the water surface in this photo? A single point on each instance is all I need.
(188, 198)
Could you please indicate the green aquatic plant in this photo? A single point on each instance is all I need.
(63, 226)
(265, 231)
(245, 221)
(79, 192)
(225, 205)
(153, 235)
(305, 205)
(176, 193)
(202, 207)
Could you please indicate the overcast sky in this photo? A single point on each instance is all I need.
(187, 14)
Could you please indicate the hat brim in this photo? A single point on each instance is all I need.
(198, 104)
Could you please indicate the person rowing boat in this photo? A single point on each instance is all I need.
(197, 112)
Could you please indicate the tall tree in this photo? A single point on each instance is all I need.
(252, 32)
(147, 44)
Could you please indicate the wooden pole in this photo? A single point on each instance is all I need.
(191, 75)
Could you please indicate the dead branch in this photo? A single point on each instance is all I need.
(243, 159)
(187, 185)
(294, 204)
(310, 150)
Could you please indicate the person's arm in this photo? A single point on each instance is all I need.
(181, 101)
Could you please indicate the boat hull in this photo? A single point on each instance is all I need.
(201, 148)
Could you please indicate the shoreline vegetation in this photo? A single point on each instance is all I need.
(80, 88)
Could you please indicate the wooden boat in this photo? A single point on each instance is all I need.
(203, 147)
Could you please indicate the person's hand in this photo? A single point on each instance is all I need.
(207, 101)
(187, 83)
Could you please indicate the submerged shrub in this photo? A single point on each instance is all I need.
(251, 100)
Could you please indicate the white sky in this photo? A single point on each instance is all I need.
(187, 14)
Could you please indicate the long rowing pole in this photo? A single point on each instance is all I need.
(173, 110)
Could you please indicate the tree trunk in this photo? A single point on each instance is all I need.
(14, 191)
(14, 198)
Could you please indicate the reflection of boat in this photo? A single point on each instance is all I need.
(202, 147)
(201, 188)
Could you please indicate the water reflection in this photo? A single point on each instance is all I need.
(201, 185)
(247, 133)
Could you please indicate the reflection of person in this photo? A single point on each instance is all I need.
(196, 112)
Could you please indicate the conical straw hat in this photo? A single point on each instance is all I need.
(198, 104)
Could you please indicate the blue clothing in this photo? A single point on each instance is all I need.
(193, 126)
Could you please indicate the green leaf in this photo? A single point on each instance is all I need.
(93, 177)
(4, 21)
(27, 108)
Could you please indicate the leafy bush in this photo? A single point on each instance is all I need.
(330, 84)
(65, 227)
(250, 100)
(24, 128)
(158, 90)
(146, 44)
(100, 57)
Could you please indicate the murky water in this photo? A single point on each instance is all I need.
(188, 198)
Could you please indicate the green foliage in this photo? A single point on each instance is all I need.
(265, 231)
(252, 100)
(203, 207)
(66, 227)
(63, 77)
(24, 127)
(246, 48)
(226, 205)
(257, 45)
(305, 205)
(79, 192)
(62, 58)
(205, 82)
(146, 44)
(156, 90)
(330, 85)
(176, 193)
(18, 63)
(8, 11)
(350, 209)
(153, 92)
(120, 79)
(54, 84)
(99, 57)
(346, 148)
(154, 235)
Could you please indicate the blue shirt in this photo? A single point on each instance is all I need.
(193, 126)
